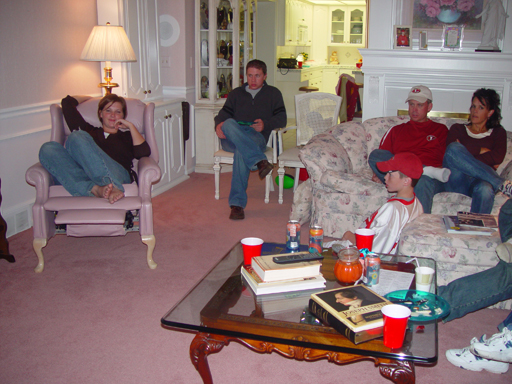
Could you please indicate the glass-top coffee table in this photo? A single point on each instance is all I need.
(222, 309)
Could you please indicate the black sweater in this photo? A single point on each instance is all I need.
(119, 146)
(268, 105)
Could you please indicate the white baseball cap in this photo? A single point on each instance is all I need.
(419, 93)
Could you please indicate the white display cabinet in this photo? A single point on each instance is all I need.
(141, 25)
(171, 147)
(347, 25)
(225, 42)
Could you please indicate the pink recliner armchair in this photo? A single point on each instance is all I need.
(91, 216)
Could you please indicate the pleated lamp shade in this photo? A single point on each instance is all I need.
(108, 43)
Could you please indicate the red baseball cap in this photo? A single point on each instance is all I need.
(407, 163)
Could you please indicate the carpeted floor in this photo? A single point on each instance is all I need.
(93, 315)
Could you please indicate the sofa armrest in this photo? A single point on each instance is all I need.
(148, 173)
(351, 183)
(322, 153)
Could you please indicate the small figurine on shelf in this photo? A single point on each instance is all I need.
(204, 15)
(221, 13)
(334, 58)
(230, 19)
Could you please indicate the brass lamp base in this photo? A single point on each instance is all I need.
(108, 78)
(108, 87)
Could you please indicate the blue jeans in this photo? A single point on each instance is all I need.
(477, 291)
(424, 190)
(471, 177)
(249, 148)
(81, 164)
(505, 221)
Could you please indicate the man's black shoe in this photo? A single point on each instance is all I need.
(237, 213)
(264, 168)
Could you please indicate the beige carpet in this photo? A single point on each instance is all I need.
(93, 315)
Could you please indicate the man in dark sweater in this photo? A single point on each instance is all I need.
(244, 125)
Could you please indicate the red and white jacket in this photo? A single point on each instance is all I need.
(389, 220)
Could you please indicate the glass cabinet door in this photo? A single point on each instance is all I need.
(337, 26)
(225, 40)
(204, 51)
(356, 32)
(224, 48)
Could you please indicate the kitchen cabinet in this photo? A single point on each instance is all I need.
(141, 25)
(171, 147)
(347, 25)
(298, 25)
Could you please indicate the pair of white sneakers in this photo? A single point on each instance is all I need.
(493, 354)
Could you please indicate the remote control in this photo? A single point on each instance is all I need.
(297, 257)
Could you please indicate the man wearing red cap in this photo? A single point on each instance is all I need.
(421, 136)
(402, 172)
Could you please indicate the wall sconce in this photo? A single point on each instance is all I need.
(108, 43)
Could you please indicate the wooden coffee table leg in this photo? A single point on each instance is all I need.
(398, 371)
(203, 345)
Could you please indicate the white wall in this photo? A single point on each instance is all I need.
(453, 76)
(40, 46)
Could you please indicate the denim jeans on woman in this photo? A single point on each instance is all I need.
(424, 190)
(249, 148)
(471, 177)
(480, 290)
(80, 164)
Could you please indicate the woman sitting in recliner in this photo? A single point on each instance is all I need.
(95, 161)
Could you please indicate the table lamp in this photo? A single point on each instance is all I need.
(108, 43)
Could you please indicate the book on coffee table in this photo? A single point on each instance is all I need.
(269, 271)
(261, 287)
(353, 311)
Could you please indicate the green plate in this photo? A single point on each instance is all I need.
(424, 306)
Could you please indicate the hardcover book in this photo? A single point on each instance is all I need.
(269, 271)
(353, 311)
(453, 226)
(261, 287)
(477, 220)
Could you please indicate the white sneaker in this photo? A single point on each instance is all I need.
(463, 358)
(504, 252)
(498, 347)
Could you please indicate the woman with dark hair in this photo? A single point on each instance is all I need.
(475, 150)
(95, 161)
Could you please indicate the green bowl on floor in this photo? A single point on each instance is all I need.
(288, 181)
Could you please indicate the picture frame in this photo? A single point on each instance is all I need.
(402, 37)
(423, 41)
(452, 37)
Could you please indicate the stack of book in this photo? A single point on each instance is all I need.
(354, 311)
(265, 277)
(467, 223)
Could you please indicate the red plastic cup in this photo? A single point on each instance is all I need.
(252, 248)
(364, 238)
(395, 323)
(299, 64)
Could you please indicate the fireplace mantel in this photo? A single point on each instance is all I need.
(452, 76)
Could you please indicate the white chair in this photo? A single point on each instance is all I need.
(224, 157)
(315, 113)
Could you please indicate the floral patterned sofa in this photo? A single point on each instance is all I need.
(340, 193)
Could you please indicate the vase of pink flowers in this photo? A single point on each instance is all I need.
(446, 11)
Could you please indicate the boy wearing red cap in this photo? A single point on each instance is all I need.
(402, 172)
